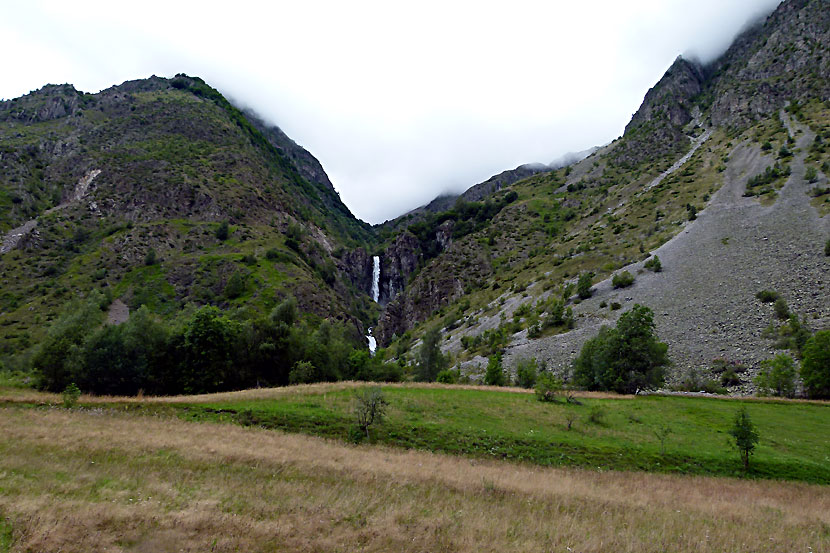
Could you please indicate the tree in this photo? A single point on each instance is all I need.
(625, 358)
(222, 231)
(777, 376)
(526, 370)
(209, 342)
(745, 434)
(815, 365)
(547, 386)
(494, 376)
(369, 407)
(430, 359)
(583, 286)
(53, 358)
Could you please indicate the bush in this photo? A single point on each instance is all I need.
(547, 386)
(150, 258)
(781, 309)
(625, 358)
(827, 248)
(302, 373)
(622, 280)
(223, 231)
(235, 286)
(447, 376)
(693, 382)
(654, 264)
(815, 365)
(767, 296)
(730, 378)
(70, 395)
(777, 376)
(583, 286)
(494, 376)
(526, 370)
(596, 415)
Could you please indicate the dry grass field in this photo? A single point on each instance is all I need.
(97, 479)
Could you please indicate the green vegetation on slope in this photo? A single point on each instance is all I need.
(606, 433)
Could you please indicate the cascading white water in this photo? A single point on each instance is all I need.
(375, 278)
(373, 344)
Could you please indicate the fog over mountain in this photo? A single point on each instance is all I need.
(399, 103)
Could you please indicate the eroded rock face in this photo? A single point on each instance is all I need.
(772, 64)
(397, 263)
(357, 264)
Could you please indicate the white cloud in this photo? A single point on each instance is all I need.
(399, 101)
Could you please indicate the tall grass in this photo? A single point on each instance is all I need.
(94, 480)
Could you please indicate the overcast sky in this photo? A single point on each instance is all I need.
(400, 101)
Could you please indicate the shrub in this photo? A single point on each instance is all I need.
(615, 305)
(150, 258)
(448, 376)
(494, 376)
(781, 309)
(815, 365)
(625, 358)
(745, 435)
(583, 286)
(811, 175)
(691, 211)
(596, 415)
(303, 372)
(526, 370)
(222, 231)
(249, 259)
(547, 386)
(767, 296)
(777, 376)
(730, 378)
(622, 280)
(235, 286)
(70, 395)
(654, 264)
(827, 248)
(694, 382)
(558, 315)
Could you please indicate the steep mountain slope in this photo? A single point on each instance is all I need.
(701, 140)
(160, 192)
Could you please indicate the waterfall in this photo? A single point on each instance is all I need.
(373, 344)
(375, 278)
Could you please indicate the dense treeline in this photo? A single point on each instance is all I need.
(202, 351)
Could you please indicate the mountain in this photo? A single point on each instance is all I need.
(160, 193)
(721, 172)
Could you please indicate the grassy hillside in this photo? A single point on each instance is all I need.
(607, 431)
(127, 191)
(104, 475)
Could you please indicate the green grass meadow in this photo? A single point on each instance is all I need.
(617, 434)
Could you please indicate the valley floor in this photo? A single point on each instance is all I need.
(104, 477)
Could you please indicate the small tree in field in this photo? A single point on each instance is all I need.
(369, 407)
(745, 434)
